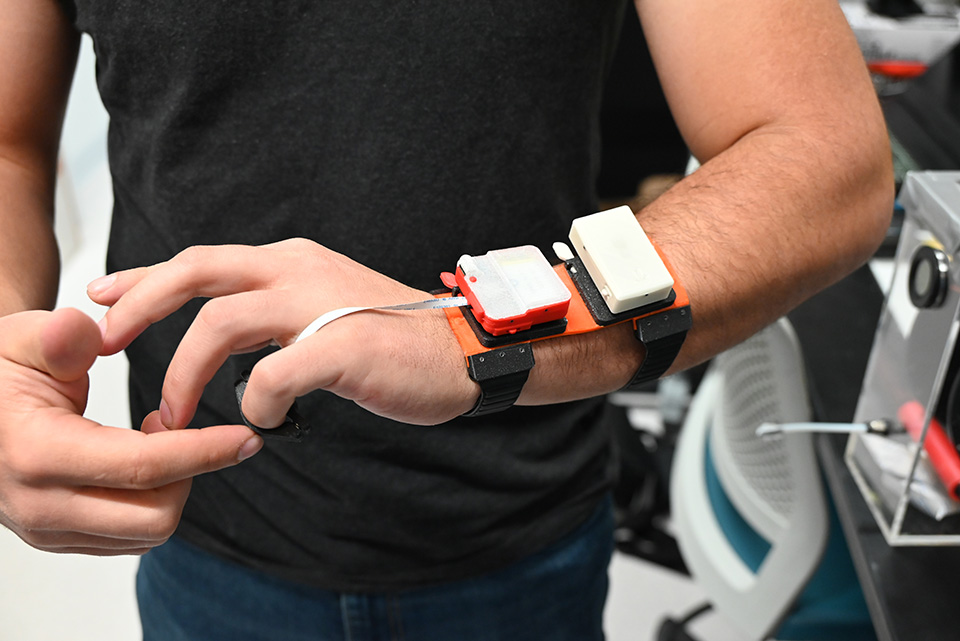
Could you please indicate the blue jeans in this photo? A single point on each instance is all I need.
(557, 594)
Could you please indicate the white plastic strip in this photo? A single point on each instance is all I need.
(876, 426)
(334, 314)
(767, 429)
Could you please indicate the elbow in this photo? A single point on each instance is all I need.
(867, 189)
(876, 195)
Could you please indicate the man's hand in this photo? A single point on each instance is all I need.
(403, 365)
(68, 484)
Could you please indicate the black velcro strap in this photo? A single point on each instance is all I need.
(501, 374)
(662, 335)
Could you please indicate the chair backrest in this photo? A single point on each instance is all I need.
(722, 471)
(764, 381)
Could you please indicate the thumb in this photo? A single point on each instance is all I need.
(69, 342)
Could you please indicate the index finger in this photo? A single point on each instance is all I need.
(208, 271)
(90, 454)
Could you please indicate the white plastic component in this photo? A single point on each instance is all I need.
(512, 282)
(563, 252)
(620, 259)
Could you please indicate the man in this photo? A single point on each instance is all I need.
(284, 161)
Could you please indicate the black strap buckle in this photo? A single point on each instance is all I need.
(294, 427)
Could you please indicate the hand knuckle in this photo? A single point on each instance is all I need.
(26, 465)
(269, 379)
(163, 525)
(190, 257)
(28, 520)
(163, 519)
(215, 315)
(141, 473)
(299, 244)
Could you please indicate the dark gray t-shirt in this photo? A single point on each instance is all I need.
(402, 134)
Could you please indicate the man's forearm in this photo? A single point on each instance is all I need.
(38, 46)
(754, 232)
(768, 223)
(29, 259)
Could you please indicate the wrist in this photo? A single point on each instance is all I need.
(464, 389)
(583, 366)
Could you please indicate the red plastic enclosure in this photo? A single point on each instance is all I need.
(511, 290)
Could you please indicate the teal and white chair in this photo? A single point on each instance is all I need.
(751, 516)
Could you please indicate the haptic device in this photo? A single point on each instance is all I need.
(613, 274)
(500, 302)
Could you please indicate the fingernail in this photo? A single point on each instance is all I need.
(102, 324)
(166, 416)
(101, 284)
(250, 447)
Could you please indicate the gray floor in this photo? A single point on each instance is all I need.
(47, 597)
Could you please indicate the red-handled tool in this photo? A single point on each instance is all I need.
(941, 450)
